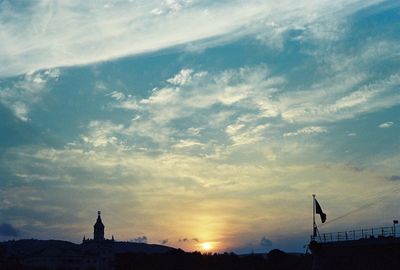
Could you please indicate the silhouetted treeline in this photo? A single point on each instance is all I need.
(179, 260)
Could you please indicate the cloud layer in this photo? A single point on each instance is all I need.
(45, 34)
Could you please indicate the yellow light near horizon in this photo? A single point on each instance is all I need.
(206, 246)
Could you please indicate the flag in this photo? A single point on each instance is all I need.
(318, 210)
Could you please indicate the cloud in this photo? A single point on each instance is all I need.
(386, 125)
(25, 91)
(182, 77)
(240, 135)
(323, 107)
(306, 131)
(189, 240)
(247, 103)
(187, 143)
(393, 178)
(7, 229)
(265, 242)
(164, 241)
(35, 37)
(102, 133)
(140, 239)
(117, 95)
(353, 89)
(201, 188)
(255, 246)
(195, 93)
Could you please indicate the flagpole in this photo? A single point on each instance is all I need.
(314, 225)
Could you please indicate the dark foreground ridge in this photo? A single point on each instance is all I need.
(62, 255)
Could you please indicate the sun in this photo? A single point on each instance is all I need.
(206, 246)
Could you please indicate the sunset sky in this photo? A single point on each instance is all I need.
(198, 124)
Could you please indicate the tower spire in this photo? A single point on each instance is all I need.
(98, 233)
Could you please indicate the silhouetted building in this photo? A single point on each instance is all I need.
(93, 254)
(374, 249)
(98, 234)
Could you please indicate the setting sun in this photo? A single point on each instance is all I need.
(206, 246)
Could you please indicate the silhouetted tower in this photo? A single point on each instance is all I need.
(98, 229)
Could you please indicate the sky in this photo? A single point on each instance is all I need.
(194, 121)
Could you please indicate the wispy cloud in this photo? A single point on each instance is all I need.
(317, 105)
(249, 102)
(189, 94)
(45, 34)
(386, 125)
(102, 133)
(24, 91)
(306, 131)
(188, 143)
(182, 77)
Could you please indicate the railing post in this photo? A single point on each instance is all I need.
(331, 237)
(354, 235)
(362, 233)
(346, 235)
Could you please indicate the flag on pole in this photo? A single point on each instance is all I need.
(318, 210)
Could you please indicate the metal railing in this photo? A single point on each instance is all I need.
(358, 234)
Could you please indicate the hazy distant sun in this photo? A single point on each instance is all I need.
(206, 246)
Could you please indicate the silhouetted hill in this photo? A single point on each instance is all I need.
(56, 254)
(32, 247)
(121, 247)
